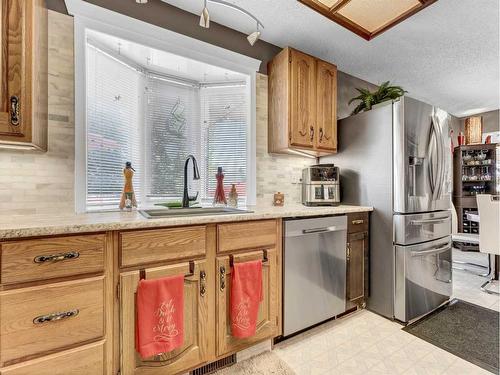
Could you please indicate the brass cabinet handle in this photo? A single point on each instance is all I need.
(311, 132)
(203, 287)
(222, 278)
(357, 222)
(54, 317)
(14, 110)
(320, 135)
(56, 257)
(348, 257)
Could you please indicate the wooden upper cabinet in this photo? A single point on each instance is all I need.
(23, 69)
(326, 99)
(302, 99)
(302, 104)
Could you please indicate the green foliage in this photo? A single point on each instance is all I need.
(369, 99)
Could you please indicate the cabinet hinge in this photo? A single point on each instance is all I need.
(118, 297)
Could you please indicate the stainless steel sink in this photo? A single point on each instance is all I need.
(195, 211)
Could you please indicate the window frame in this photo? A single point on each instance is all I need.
(89, 16)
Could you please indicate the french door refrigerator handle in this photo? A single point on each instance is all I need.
(431, 171)
(440, 151)
(431, 251)
(435, 220)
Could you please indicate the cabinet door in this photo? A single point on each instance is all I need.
(302, 99)
(197, 348)
(326, 117)
(357, 246)
(15, 45)
(267, 321)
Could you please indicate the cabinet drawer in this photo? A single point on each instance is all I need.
(246, 235)
(152, 246)
(49, 258)
(357, 222)
(84, 360)
(29, 324)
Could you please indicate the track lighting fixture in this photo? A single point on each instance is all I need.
(205, 17)
(254, 37)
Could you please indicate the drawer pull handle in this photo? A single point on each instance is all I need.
(54, 317)
(358, 222)
(56, 257)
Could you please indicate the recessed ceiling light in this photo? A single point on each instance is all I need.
(367, 18)
(141, 1)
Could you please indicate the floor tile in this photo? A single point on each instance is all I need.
(366, 343)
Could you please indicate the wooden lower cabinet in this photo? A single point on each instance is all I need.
(357, 266)
(84, 360)
(39, 320)
(267, 322)
(198, 330)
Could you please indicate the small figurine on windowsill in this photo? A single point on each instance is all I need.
(128, 196)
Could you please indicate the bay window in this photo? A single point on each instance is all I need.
(154, 109)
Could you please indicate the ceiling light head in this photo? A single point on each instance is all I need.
(205, 17)
(141, 1)
(254, 37)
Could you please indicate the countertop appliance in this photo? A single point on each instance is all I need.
(321, 185)
(314, 286)
(397, 158)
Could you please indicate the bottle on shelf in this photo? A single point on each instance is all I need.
(220, 196)
(232, 197)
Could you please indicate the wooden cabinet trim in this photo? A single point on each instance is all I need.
(326, 99)
(302, 124)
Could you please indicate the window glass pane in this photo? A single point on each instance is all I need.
(173, 127)
(225, 124)
(156, 120)
(113, 131)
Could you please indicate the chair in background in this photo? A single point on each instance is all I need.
(465, 238)
(489, 229)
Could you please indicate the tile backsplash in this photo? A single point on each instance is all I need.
(34, 182)
(43, 183)
(275, 172)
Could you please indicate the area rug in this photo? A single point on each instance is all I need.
(263, 364)
(465, 330)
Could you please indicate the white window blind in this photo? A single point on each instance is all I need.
(173, 133)
(225, 128)
(113, 127)
(155, 122)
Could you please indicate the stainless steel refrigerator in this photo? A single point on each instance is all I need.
(397, 158)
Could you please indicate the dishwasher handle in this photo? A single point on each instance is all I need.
(304, 232)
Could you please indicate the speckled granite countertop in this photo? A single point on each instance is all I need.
(18, 226)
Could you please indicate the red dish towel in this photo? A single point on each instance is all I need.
(246, 294)
(160, 315)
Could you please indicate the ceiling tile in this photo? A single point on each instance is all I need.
(372, 15)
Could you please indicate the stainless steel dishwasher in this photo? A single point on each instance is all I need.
(314, 271)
